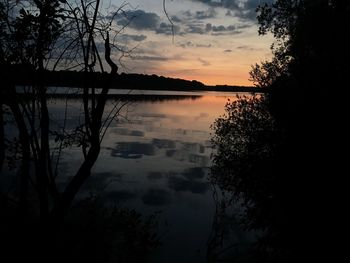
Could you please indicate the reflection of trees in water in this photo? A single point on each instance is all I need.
(228, 241)
(245, 140)
(133, 97)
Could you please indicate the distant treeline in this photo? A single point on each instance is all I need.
(23, 76)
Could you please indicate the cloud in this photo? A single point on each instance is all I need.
(136, 38)
(190, 44)
(229, 13)
(222, 30)
(195, 29)
(204, 45)
(167, 29)
(243, 26)
(176, 19)
(245, 47)
(227, 33)
(199, 28)
(210, 13)
(242, 9)
(150, 58)
(227, 50)
(200, 15)
(139, 20)
(186, 44)
(204, 62)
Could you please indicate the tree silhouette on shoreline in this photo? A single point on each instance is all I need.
(285, 167)
(35, 35)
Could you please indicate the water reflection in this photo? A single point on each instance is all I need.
(126, 132)
(179, 184)
(155, 175)
(156, 197)
(163, 152)
(133, 150)
(156, 157)
(119, 196)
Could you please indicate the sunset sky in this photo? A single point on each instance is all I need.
(215, 41)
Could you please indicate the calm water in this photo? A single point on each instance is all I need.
(155, 157)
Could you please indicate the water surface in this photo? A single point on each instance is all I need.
(155, 157)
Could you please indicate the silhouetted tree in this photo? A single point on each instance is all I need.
(37, 35)
(285, 167)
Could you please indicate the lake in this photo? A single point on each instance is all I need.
(155, 158)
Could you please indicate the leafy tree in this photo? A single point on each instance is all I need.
(284, 167)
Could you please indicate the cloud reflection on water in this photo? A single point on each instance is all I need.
(157, 197)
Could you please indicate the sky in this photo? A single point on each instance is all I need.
(214, 41)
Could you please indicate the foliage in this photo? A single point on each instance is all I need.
(98, 233)
(263, 75)
(29, 30)
(309, 41)
(245, 140)
(91, 232)
(281, 168)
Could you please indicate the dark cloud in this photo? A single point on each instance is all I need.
(150, 58)
(210, 13)
(198, 28)
(176, 19)
(167, 29)
(204, 62)
(227, 50)
(222, 33)
(136, 38)
(229, 13)
(139, 20)
(192, 20)
(243, 26)
(244, 10)
(195, 28)
(222, 28)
